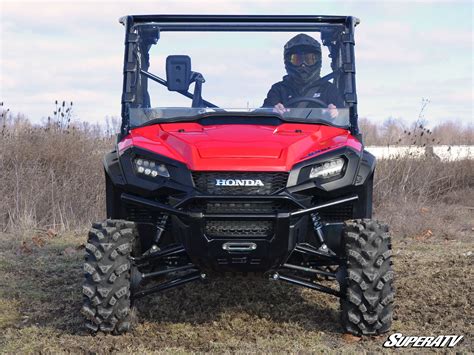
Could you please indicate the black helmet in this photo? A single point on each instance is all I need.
(304, 72)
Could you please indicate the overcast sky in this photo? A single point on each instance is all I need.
(405, 51)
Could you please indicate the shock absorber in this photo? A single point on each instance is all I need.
(318, 230)
(160, 227)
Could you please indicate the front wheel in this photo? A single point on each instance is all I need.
(107, 270)
(367, 288)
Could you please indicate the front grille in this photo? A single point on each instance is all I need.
(337, 213)
(140, 214)
(239, 229)
(272, 182)
(239, 207)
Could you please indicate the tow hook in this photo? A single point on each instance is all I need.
(233, 247)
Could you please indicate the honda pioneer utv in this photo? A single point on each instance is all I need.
(196, 189)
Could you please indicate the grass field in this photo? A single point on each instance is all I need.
(41, 276)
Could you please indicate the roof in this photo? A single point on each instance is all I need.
(239, 22)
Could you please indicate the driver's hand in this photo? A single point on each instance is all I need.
(332, 109)
(279, 108)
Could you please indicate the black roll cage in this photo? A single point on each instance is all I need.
(237, 23)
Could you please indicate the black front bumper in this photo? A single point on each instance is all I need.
(241, 253)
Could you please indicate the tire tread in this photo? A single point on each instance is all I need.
(368, 293)
(106, 288)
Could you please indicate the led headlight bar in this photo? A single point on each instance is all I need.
(150, 168)
(327, 169)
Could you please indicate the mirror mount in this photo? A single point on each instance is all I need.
(198, 79)
(178, 72)
(179, 76)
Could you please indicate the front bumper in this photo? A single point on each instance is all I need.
(174, 210)
(240, 253)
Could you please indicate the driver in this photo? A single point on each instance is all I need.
(302, 56)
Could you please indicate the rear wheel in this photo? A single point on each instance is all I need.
(367, 288)
(107, 270)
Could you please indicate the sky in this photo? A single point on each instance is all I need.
(73, 51)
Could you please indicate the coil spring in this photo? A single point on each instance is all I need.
(316, 219)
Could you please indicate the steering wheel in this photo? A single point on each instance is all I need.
(297, 100)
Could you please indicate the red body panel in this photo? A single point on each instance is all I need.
(239, 147)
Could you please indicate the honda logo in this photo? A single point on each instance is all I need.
(238, 182)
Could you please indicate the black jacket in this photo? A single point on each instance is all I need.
(287, 89)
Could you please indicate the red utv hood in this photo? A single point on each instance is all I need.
(239, 147)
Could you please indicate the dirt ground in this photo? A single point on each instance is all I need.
(40, 299)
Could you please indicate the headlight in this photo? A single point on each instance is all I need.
(327, 169)
(150, 168)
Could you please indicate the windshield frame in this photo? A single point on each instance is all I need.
(141, 117)
(232, 23)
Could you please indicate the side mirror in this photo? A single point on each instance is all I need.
(178, 72)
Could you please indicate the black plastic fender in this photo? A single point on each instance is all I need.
(366, 168)
(112, 168)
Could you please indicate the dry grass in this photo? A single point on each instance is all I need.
(52, 176)
(422, 180)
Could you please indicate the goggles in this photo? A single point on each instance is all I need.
(298, 59)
